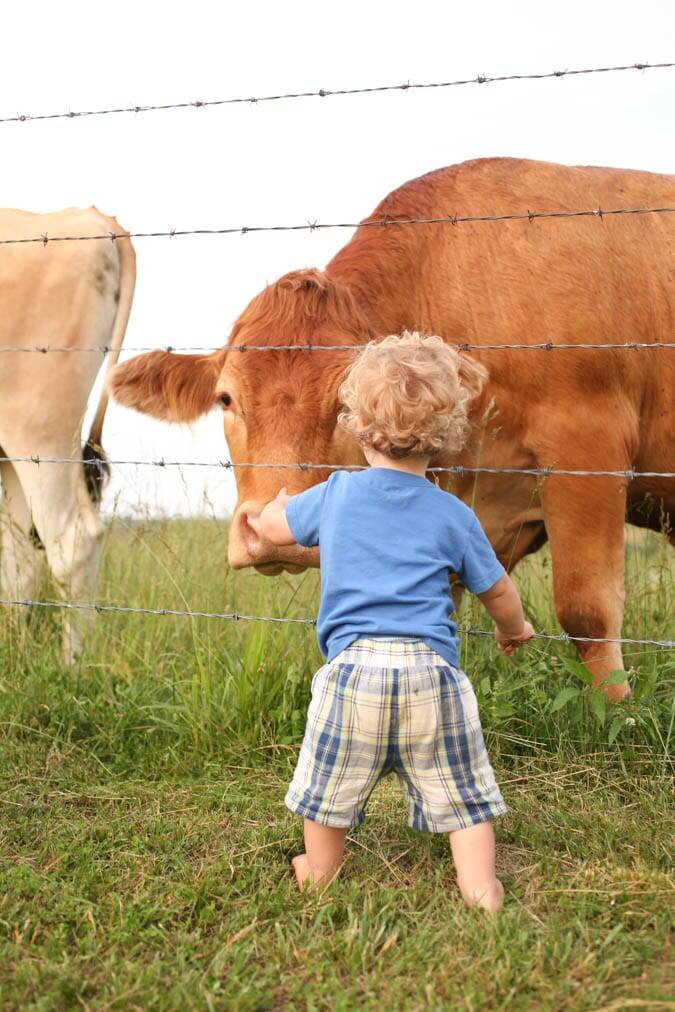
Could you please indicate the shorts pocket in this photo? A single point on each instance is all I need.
(368, 714)
(419, 713)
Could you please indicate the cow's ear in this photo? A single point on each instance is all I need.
(173, 388)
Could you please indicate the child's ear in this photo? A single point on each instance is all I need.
(472, 375)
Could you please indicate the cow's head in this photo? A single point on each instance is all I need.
(279, 407)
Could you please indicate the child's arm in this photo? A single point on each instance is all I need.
(271, 524)
(292, 520)
(504, 606)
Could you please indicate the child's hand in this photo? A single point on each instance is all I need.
(278, 503)
(280, 500)
(253, 521)
(509, 644)
(271, 524)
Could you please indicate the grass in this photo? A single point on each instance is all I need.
(145, 845)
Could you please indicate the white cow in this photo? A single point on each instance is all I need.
(67, 295)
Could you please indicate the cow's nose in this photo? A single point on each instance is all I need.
(250, 516)
(245, 545)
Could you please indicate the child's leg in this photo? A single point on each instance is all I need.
(324, 846)
(473, 851)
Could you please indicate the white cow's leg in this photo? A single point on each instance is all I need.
(72, 532)
(22, 558)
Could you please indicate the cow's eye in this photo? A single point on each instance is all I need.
(225, 400)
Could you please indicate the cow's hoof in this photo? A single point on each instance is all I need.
(617, 693)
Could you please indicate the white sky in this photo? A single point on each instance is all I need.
(310, 159)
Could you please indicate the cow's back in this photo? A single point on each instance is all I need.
(612, 272)
(61, 294)
(56, 264)
(604, 279)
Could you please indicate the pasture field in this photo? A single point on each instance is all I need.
(144, 858)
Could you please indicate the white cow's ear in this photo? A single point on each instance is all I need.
(173, 388)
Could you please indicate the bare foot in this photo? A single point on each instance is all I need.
(490, 898)
(306, 876)
(303, 873)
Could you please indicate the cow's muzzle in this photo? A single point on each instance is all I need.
(246, 547)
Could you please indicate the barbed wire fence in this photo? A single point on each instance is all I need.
(406, 86)
(235, 616)
(384, 222)
(228, 465)
(104, 349)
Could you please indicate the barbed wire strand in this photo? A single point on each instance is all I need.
(316, 226)
(235, 616)
(227, 465)
(104, 349)
(328, 93)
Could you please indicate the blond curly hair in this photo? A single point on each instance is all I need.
(408, 395)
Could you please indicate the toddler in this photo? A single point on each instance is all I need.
(391, 695)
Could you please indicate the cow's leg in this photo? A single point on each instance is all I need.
(71, 532)
(585, 521)
(22, 557)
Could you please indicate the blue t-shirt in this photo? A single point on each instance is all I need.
(388, 542)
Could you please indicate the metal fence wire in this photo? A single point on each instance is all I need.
(328, 93)
(464, 346)
(235, 616)
(598, 213)
(459, 469)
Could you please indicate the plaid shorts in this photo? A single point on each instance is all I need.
(387, 705)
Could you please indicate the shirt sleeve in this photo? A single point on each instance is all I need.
(480, 568)
(303, 514)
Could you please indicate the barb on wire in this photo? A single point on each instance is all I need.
(235, 616)
(103, 349)
(227, 465)
(326, 93)
(314, 226)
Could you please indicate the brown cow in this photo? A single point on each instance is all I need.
(583, 279)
